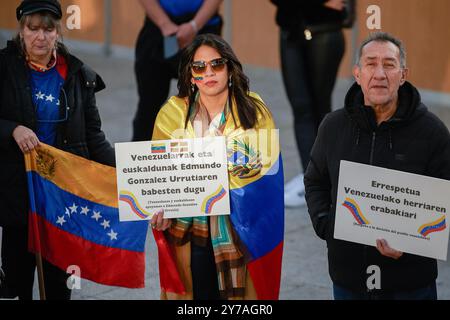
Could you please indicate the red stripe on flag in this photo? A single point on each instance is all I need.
(169, 277)
(266, 274)
(101, 264)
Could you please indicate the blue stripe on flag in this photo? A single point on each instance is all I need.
(84, 218)
(260, 205)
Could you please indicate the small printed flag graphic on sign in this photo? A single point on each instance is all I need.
(179, 147)
(434, 226)
(158, 148)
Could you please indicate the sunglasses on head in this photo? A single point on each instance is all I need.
(217, 65)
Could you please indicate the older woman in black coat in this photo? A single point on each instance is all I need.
(46, 96)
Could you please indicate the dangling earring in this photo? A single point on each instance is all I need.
(192, 87)
(230, 83)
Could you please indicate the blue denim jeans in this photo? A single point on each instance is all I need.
(426, 293)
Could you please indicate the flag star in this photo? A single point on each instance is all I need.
(96, 216)
(112, 235)
(50, 98)
(85, 210)
(40, 95)
(61, 220)
(73, 208)
(105, 224)
(67, 212)
(57, 103)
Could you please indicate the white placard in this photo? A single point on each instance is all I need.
(186, 178)
(410, 211)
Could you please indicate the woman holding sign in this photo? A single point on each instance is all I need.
(236, 256)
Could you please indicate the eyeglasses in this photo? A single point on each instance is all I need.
(217, 65)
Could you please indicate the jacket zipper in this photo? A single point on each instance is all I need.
(372, 148)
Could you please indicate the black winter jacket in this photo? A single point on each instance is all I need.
(413, 140)
(292, 15)
(81, 134)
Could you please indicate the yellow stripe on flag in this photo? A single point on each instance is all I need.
(75, 174)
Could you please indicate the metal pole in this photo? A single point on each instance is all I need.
(108, 28)
(40, 271)
(228, 22)
(354, 39)
(36, 238)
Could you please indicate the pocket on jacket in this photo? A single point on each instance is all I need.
(11, 174)
(413, 159)
(13, 195)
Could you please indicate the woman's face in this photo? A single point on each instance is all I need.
(211, 77)
(39, 40)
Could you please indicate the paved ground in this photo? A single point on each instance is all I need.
(304, 274)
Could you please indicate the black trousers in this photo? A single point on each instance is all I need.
(19, 267)
(309, 69)
(204, 273)
(153, 75)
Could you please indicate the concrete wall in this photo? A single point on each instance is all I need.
(422, 25)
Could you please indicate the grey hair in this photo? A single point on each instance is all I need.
(383, 37)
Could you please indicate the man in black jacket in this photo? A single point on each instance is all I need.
(383, 124)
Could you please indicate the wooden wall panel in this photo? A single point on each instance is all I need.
(422, 25)
(127, 21)
(92, 20)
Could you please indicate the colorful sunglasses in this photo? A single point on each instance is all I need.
(217, 65)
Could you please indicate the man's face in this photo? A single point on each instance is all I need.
(380, 74)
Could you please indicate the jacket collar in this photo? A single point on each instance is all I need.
(73, 63)
(409, 107)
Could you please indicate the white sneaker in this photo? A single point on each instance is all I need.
(294, 200)
(294, 192)
(295, 185)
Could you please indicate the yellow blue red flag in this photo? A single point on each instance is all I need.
(74, 219)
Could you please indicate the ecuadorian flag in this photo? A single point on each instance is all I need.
(74, 219)
(256, 193)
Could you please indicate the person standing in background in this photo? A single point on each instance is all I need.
(311, 48)
(179, 19)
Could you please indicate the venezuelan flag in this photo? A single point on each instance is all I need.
(256, 197)
(434, 226)
(208, 202)
(159, 148)
(129, 198)
(355, 210)
(74, 219)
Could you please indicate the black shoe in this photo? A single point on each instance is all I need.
(2, 276)
(4, 292)
(2, 283)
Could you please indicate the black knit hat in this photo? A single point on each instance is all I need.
(32, 6)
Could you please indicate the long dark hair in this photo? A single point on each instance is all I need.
(247, 106)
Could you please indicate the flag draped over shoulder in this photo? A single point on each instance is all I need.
(74, 219)
(256, 195)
